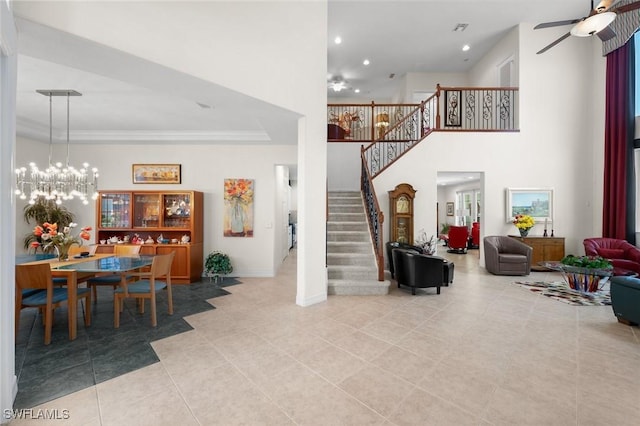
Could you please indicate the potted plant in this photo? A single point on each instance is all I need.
(45, 211)
(216, 264)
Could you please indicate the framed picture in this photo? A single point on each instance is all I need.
(535, 202)
(452, 108)
(157, 173)
(238, 208)
(449, 209)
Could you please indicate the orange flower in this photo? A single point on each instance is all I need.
(38, 231)
(85, 235)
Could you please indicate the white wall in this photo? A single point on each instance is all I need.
(485, 72)
(559, 145)
(343, 166)
(247, 47)
(8, 69)
(204, 168)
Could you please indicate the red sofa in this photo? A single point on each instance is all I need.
(621, 253)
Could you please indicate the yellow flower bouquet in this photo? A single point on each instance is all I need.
(524, 223)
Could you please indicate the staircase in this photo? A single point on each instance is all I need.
(351, 262)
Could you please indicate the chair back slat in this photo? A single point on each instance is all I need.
(36, 276)
(122, 250)
(161, 266)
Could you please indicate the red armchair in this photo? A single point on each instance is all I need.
(475, 235)
(621, 253)
(458, 239)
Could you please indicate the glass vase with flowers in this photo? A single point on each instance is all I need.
(49, 238)
(524, 223)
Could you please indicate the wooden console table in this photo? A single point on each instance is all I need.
(544, 249)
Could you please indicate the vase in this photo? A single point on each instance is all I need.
(237, 218)
(524, 231)
(63, 252)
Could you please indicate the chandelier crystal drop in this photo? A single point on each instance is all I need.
(57, 182)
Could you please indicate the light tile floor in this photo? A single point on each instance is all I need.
(484, 352)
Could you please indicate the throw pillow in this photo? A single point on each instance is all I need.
(611, 253)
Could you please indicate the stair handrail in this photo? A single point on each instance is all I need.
(402, 136)
(375, 216)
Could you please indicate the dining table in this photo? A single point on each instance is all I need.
(80, 268)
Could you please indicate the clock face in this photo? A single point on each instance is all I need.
(402, 205)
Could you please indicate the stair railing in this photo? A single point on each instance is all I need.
(408, 130)
(465, 109)
(375, 216)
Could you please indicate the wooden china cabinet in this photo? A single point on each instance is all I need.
(401, 211)
(134, 216)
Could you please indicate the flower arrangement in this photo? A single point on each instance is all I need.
(238, 190)
(60, 241)
(428, 244)
(524, 223)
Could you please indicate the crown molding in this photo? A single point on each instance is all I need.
(33, 130)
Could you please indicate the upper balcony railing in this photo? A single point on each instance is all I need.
(471, 109)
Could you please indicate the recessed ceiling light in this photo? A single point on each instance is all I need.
(466, 47)
(357, 90)
(337, 40)
(366, 62)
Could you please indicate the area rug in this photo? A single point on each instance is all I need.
(561, 292)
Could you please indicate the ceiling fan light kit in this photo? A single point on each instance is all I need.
(597, 22)
(593, 24)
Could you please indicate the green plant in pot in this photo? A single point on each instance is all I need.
(590, 262)
(41, 211)
(217, 264)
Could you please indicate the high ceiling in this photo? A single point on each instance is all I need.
(396, 36)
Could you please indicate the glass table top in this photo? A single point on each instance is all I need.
(110, 264)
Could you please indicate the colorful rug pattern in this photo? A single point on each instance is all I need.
(561, 291)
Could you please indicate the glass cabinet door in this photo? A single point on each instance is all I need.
(115, 210)
(147, 210)
(177, 210)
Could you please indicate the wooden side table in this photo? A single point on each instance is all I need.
(544, 249)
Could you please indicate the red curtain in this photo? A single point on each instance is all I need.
(618, 138)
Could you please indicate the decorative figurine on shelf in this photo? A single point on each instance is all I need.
(544, 234)
(552, 232)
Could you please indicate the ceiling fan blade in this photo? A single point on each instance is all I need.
(627, 7)
(603, 6)
(556, 23)
(606, 34)
(544, 49)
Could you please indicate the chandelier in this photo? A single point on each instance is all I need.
(57, 182)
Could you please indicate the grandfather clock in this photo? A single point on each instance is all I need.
(401, 210)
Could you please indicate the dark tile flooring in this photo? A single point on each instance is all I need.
(100, 352)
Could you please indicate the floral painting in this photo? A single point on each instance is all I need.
(238, 208)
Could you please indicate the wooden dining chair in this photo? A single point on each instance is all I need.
(46, 297)
(112, 279)
(146, 288)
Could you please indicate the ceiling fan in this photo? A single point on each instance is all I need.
(597, 22)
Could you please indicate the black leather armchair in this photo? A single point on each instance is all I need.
(425, 271)
(417, 270)
(506, 256)
(393, 245)
(401, 265)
